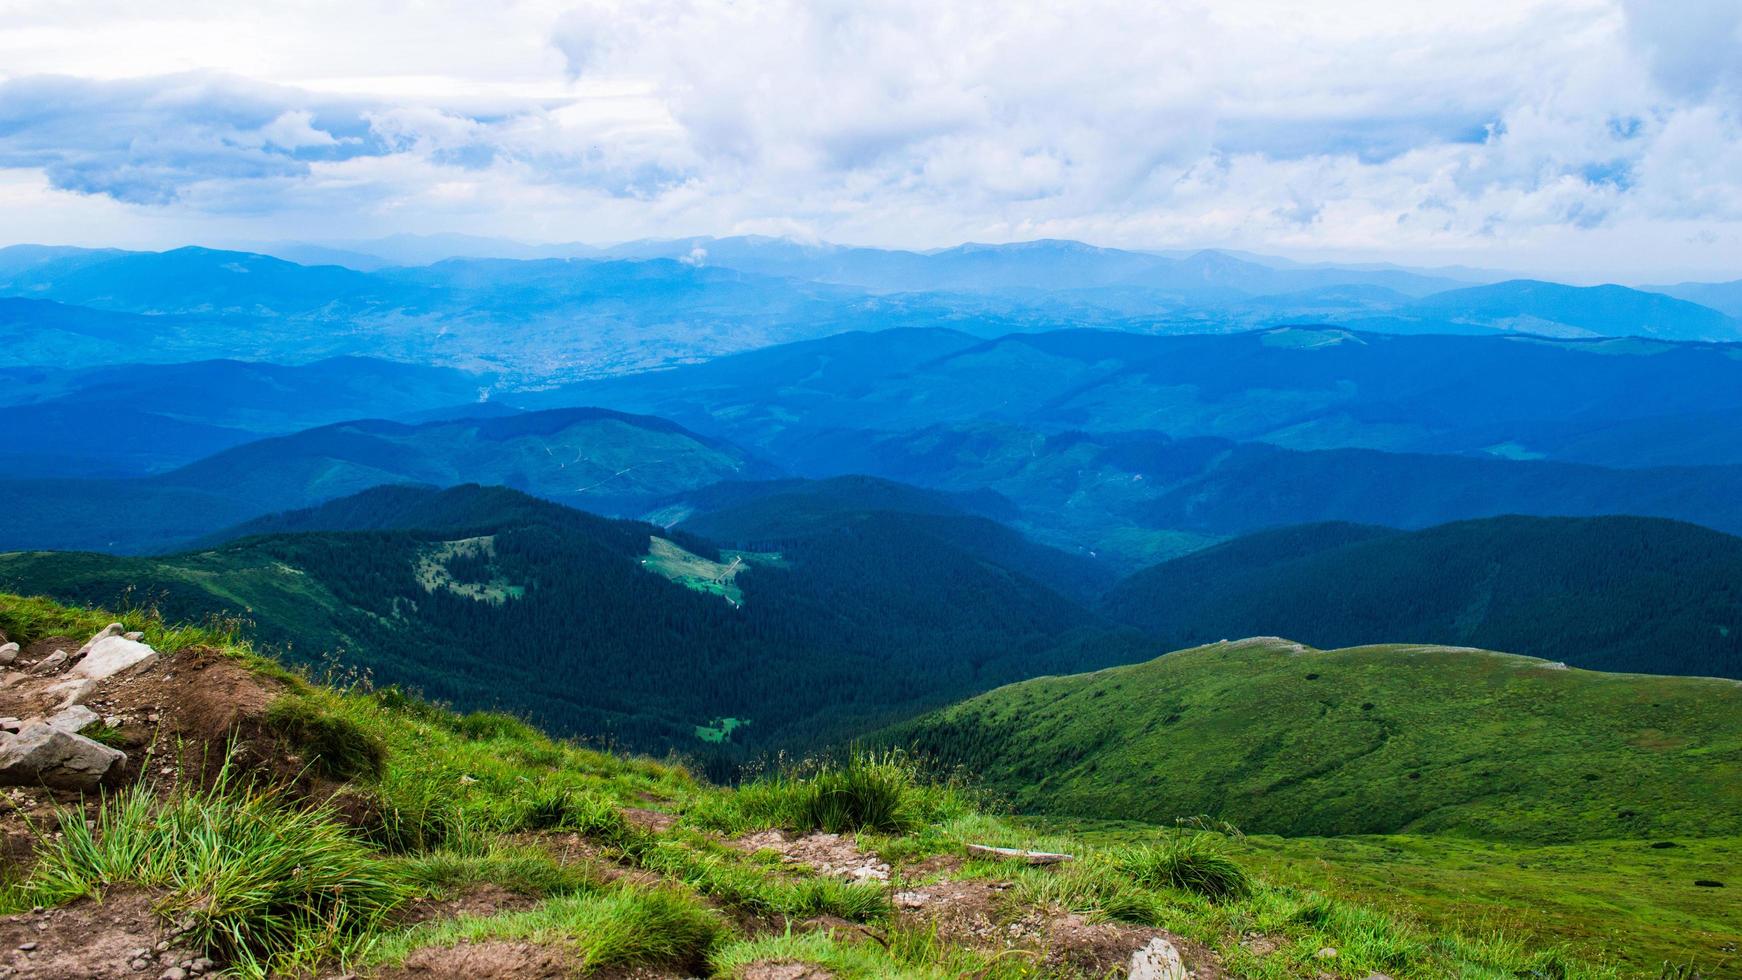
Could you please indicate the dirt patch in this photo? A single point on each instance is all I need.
(487, 960)
(476, 901)
(100, 940)
(784, 971)
(829, 855)
(935, 865)
(977, 913)
(653, 821)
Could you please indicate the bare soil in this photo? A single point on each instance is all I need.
(90, 939)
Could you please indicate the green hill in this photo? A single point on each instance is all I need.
(1280, 738)
(486, 597)
(1604, 593)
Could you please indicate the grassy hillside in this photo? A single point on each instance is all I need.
(1604, 593)
(361, 832)
(563, 617)
(1280, 738)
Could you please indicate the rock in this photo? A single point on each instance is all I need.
(133, 635)
(8, 652)
(113, 629)
(112, 721)
(1325, 954)
(911, 900)
(45, 755)
(173, 973)
(74, 719)
(1378, 976)
(74, 691)
(1157, 961)
(1016, 854)
(111, 655)
(50, 663)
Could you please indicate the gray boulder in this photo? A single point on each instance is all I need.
(1157, 961)
(41, 754)
(74, 719)
(8, 652)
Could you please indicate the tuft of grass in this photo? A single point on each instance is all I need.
(1193, 862)
(336, 746)
(880, 793)
(268, 885)
(609, 928)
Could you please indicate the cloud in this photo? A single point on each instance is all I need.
(145, 140)
(1540, 131)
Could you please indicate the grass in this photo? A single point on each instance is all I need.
(615, 927)
(1193, 862)
(1285, 740)
(864, 791)
(667, 559)
(269, 884)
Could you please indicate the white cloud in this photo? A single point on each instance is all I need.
(1559, 135)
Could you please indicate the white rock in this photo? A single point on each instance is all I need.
(8, 652)
(113, 629)
(45, 755)
(111, 655)
(1156, 961)
(1326, 953)
(74, 719)
(133, 635)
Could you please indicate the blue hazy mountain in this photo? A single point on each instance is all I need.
(1530, 306)
(1726, 297)
(648, 305)
(595, 459)
(132, 419)
(1612, 402)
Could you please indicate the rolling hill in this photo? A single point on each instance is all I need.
(1603, 593)
(1280, 738)
(487, 597)
(606, 461)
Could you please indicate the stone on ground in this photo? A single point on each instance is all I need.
(1157, 961)
(41, 754)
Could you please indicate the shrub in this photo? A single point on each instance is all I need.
(1189, 862)
(335, 745)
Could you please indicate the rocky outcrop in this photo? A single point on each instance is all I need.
(41, 754)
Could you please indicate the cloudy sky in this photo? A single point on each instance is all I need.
(1588, 139)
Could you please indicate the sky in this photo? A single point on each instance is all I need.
(1590, 140)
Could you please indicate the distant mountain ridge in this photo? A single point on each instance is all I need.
(608, 461)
